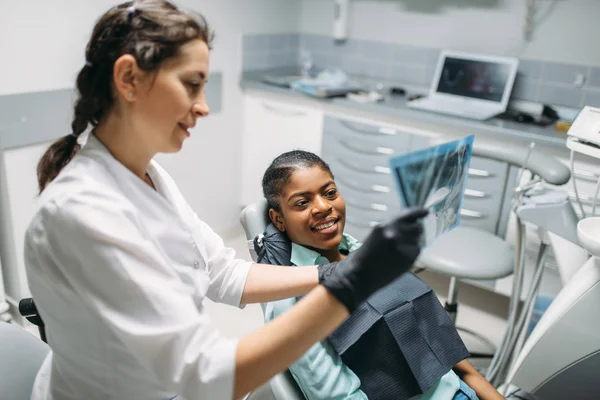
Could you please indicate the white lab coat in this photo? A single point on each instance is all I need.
(119, 272)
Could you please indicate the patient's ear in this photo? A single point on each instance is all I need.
(277, 219)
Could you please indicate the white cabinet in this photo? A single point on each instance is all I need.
(18, 195)
(271, 128)
(4, 315)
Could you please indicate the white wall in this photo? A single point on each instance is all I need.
(45, 42)
(42, 45)
(568, 34)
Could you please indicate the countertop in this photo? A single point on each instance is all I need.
(394, 109)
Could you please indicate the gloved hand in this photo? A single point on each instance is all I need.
(389, 251)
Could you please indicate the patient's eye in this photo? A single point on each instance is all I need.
(301, 203)
(331, 193)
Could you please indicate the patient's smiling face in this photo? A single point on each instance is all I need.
(313, 213)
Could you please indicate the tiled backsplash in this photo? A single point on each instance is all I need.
(270, 51)
(539, 81)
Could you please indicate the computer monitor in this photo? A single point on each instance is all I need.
(477, 77)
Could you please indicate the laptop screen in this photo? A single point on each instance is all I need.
(473, 78)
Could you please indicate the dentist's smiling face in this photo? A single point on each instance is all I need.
(313, 213)
(173, 98)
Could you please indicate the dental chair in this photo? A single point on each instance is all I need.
(561, 357)
(254, 219)
(483, 255)
(21, 356)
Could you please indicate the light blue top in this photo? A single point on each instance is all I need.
(320, 372)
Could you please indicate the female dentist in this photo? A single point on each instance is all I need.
(118, 262)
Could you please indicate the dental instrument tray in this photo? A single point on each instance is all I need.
(324, 90)
(328, 83)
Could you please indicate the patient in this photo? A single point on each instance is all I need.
(400, 344)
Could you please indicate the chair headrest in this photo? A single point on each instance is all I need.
(255, 218)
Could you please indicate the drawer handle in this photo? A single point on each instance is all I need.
(479, 173)
(381, 188)
(377, 131)
(374, 188)
(475, 193)
(284, 112)
(379, 169)
(470, 213)
(378, 207)
(585, 175)
(377, 150)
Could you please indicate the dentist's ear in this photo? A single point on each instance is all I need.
(126, 77)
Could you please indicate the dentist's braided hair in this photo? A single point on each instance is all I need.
(152, 31)
(279, 173)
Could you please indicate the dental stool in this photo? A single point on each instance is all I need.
(476, 254)
(468, 253)
(255, 218)
(21, 356)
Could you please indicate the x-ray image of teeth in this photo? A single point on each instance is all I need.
(434, 178)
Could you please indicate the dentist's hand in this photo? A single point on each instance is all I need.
(388, 252)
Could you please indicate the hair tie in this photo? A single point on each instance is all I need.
(130, 11)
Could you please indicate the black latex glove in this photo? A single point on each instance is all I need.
(389, 251)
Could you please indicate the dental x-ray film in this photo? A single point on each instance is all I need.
(434, 178)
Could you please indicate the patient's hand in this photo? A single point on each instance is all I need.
(484, 389)
(389, 251)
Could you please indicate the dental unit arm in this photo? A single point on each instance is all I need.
(545, 365)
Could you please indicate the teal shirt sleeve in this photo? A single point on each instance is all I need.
(320, 372)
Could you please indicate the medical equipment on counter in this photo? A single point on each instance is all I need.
(332, 82)
(584, 138)
(560, 358)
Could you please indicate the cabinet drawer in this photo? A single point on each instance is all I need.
(356, 230)
(366, 146)
(485, 173)
(354, 161)
(360, 172)
(377, 135)
(367, 195)
(359, 223)
(476, 216)
(336, 144)
(357, 201)
(484, 194)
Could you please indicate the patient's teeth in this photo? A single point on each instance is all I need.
(325, 226)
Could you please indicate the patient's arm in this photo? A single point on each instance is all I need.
(320, 373)
(484, 389)
(272, 282)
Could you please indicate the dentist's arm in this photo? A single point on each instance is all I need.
(282, 341)
(273, 282)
